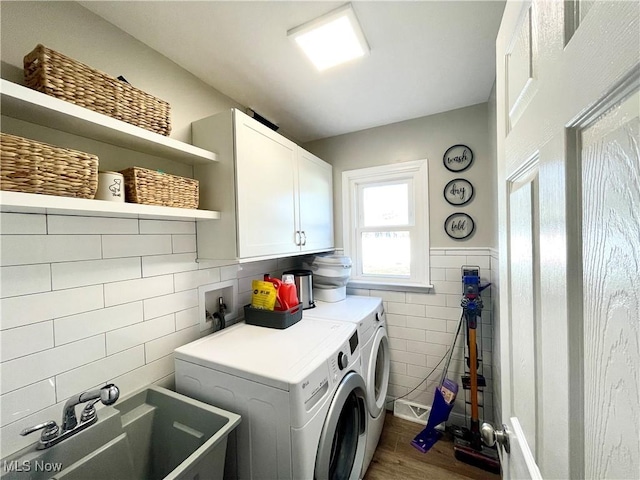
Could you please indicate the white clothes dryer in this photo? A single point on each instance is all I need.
(368, 314)
(299, 391)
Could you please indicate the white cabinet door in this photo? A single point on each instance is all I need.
(315, 207)
(266, 189)
(568, 193)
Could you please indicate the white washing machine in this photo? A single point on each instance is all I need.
(300, 393)
(368, 314)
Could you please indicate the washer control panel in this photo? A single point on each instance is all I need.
(343, 360)
(345, 357)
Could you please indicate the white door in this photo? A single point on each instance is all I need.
(315, 186)
(568, 135)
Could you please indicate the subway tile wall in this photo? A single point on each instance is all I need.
(422, 326)
(90, 300)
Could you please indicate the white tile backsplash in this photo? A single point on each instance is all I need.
(431, 324)
(187, 318)
(26, 401)
(137, 378)
(27, 309)
(448, 261)
(77, 274)
(166, 264)
(194, 279)
(406, 309)
(163, 346)
(91, 374)
(139, 333)
(175, 302)
(133, 290)
(22, 224)
(71, 225)
(183, 243)
(165, 226)
(30, 249)
(25, 279)
(32, 368)
(426, 299)
(76, 327)
(114, 246)
(17, 342)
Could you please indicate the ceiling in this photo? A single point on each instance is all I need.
(426, 57)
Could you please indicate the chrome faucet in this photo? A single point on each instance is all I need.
(52, 434)
(107, 395)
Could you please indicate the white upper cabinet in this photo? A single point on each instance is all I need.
(275, 198)
(315, 200)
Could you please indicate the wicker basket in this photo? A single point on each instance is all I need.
(55, 74)
(33, 167)
(156, 188)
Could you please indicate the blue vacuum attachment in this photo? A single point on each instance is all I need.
(443, 399)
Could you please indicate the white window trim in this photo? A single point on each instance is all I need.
(351, 180)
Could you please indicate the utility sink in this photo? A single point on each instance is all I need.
(152, 434)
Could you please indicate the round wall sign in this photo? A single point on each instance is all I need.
(459, 226)
(458, 158)
(458, 191)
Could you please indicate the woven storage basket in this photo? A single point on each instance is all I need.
(33, 167)
(55, 74)
(156, 188)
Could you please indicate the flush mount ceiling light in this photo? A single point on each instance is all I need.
(331, 39)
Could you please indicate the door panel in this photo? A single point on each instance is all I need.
(611, 292)
(519, 63)
(582, 370)
(523, 308)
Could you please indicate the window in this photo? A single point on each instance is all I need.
(386, 224)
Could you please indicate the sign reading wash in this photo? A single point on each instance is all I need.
(458, 158)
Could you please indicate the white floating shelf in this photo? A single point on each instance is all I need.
(31, 203)
(26, 104)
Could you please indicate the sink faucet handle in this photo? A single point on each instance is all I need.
(49, 429)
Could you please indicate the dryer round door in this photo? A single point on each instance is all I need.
(378, 372)
(344, 433)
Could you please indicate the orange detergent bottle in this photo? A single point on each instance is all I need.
(287, 296)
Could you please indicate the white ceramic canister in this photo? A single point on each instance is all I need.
(110, 187)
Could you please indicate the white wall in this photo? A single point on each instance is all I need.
(426, 137)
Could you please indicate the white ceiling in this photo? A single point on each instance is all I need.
(426, 57)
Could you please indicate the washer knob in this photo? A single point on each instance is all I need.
(343, 360)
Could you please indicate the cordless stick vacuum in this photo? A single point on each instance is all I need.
(469, 448)
(443, 399)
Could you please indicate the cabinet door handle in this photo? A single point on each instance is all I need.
(304, 238)
(297, 238)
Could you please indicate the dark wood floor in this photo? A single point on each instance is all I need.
(396, 459)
